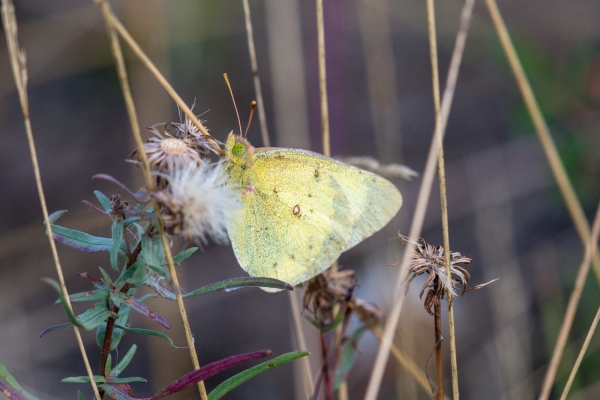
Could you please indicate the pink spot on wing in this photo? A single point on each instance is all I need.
(249, 189)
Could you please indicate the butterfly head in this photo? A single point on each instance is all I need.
(239, 151)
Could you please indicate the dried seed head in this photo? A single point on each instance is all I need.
(425, 258)
(197, 203)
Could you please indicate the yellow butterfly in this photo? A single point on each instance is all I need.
(301, 209)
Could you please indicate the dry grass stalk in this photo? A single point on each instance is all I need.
(122, 73)
(585, 265)
(19, 69)
(424, 192)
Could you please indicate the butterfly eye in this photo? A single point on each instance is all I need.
(238, 149)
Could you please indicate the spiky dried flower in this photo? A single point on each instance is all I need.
(330, 289)
(197, 203)
(429, 259)
(189, 132)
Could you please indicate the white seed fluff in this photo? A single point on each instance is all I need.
(206, 202)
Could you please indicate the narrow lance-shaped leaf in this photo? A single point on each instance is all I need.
(80, 240)
(120, 392)
(347, 357)
(93, 317)
(68, 310)
(229, 284)
(11, 388)
(209, 370)
(139, 307)
(55, 328)
(93, 295)
(183, 255)
(117, 241)
(236, 380)
(146, 332)
(124, 362)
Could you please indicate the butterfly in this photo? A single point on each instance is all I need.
(300, 209)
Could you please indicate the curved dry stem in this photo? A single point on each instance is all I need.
(585, 265)
(562, 180)
(565, 328)
(19, 69)
(122, 72)
(257, 87)
(423, 198)
(120, 29)
(443, 198)
(543, 132)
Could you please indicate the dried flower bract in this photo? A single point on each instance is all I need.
(429, 259)
(197, 203)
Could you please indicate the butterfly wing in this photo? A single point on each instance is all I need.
(374, 201)
(296, 218)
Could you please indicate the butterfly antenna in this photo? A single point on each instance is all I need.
(252, 108)
(233, 99)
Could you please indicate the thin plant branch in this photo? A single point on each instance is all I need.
(585, 265)
(343, 390)
(567, 323)
(307, 378)
(257, 86)
(422, 200)
(323, 79)
(543, 132)
(560, 174)
(116, 24)
(409, 365)
(443, 197)
(122, 72)
(19, 69)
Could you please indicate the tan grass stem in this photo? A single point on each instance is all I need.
(256, 78)
(422, 200)
(343, 390)
(585, 265)
(560, 174)
(307, 377)
(116, 24)
(409, 365)
(122, 73)
(323, 79)
(543, 132)
(19, 69)
(443, 197)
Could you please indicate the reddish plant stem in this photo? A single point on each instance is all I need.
(438, 347)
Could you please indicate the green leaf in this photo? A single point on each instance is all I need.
(94, 317)
(83, 379)
(141, 308)
(128, 273)
(146, 332)
(131, 379)
(183, 255)
(234, 283)
(347, 357)
(67, 309)
(117, 332)
(154, 254)
(11, 388)
(55, 215)
(105, 276)
(100, 294)
(108, 364)
(82, 241)
(123, 363)
(117, 242)
(236, 380)
(105, 201)
(80, 395)
(120, 392)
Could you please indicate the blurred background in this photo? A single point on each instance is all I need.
(504, 208)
